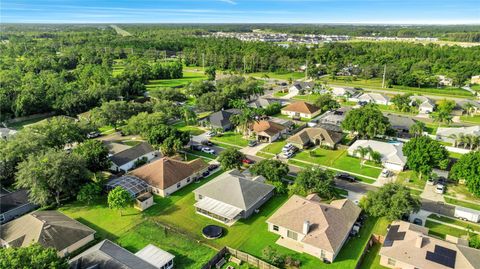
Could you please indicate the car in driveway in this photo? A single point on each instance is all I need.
(248, 161)
(431, 181)
(196, 147)
(207, 143)
(386, 173)
(287, 147)
(440, 188)
(93, 134)
(212, 167)
(252, 143)
(208, 150)
(288, 154)
(345, 176)
(211, 134)
(417, 221)
(442, 180)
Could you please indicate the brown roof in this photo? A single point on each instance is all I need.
(329, 223)
(48, 228)
(301, 107)
(311, 134)
(167, 172)
(270, 128)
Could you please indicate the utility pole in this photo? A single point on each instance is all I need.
(244, 65)
(203, 61)
(306, 69)
(384, 74)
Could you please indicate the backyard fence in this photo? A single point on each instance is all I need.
(373, 240)
(245, 257)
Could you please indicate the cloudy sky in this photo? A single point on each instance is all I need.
(242, 11)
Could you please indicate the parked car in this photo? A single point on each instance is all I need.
(287, 147)
(206, 173)
(207, 143)
(248, 161)
(442, 180)
(252, 143)
(345, 176)
(431, 181)
(93, 134)
(386, 173)
(212, 167)
(208, 150)
(196, 147)
(417, 221)
(440, 188)
(211, 134)
(288, 154)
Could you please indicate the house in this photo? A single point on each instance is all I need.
(301, 87)
(345, 92)
(375, 98)
(475, 106)
(267, 131)
(444, 81)
(262, 103)
(448, 134)
(391, 153)
(107, 255)
(409, 246)
(232, 196)
(13, 205)
(309, 226)
(399, 123)
(6, 133)
(124, 157)
(288, 124)
(316, 136)
(49, 229)
(221, 119)
(138, 189)
(334, 117)
(301, 109)
(167, 175)
(425, 105)
(475, 80)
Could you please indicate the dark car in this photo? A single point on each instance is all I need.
(196, 147)
(442, 180)
(248, 161)
(417, 221)
(206, 173)
(345, 176)
(212, 167)
(93, 134)
(252, 143)
(207, 143)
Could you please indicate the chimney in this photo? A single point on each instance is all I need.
(306, 227)
(419, 241)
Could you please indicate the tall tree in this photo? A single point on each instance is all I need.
(424, 153)
(210, 72)
(119, 199)
(314, 180)
(325, 102)
(467, 168)
(33, 256)
(417, 129)
(95, 154)
(367, 121)
(231, 158)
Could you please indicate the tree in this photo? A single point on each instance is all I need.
(314, 180)
(33, 256)
(272, 170)
(158, 134)
(444, 111)
(189, 116)
(231, 158)
(424, 153)
(271, 255)
(367, 121)
(325, 102)
(417, 129)
(244, 120)
(392, 201)
(114, 113)
(171, 146)
(61, 130)
(170, 94)
(467, 169)
(211, 101)
(51, 175)
(198, 88)
(89, 192)
(143, 122)
(210, 72)
(363, 153)
(95, 154)
(119, 199)
(469, 108)
(402, 102)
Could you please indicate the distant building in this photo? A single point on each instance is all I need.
(444, 81)
(262, 103)
(301, 87)
(334, 117)
(347, 92)
(401, 124)
(124, 157)
(475, 80)
(447, 134)
(301, 109)
(425, 105)
(316, 136)
(375, 98)
(13, 205)
(391, 153)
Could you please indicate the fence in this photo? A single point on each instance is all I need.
(245, 257)
(373, 239)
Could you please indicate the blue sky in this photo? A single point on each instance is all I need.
(242, 11)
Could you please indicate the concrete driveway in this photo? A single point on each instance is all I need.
(430, 194)
(421, 214)
(199, 138)
(253, 150)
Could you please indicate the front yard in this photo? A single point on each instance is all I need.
(441, 230)
(232, 139)
(194, 130)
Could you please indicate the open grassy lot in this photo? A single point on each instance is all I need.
(280, 94)
(286, 117)
(275, 147)
(22, 124)
(178, 82)
(310, 98)
(372, 259)
(410, 179)
(278, 75)
(461, 223)
(460, 190)
(462, 203)
(194, 130)
(352, 164)
(319, 156)
(441, 230)
(231, 138)
(471, 119)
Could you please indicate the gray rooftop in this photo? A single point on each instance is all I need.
(12, 200)
(222, 117)
(132, 153)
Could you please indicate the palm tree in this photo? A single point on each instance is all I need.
(362, 152)
(376, 156)
(468, 107)
(417, 129)
(189, 116)
(471, 139)
(442, 116)
(476, 142)
(456, 139)
(463, 139)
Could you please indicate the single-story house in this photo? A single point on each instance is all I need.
(138, 189)
(124, 157)
(391, 153)
(425, 104)
(309, 226)
(316, 136)
(107, 255)
(301, 87)
(167, 175)
(345, 92)
(400, 123)
(375, 98)
(301, 109)
(409, 246)
(14, 204)
(288, 124)
(267, 131)
(221, 119)
(475, 110)
(232, 196)
(49, 229)
(444, 80)
(475, 80)
(6, 133)
(446, 134)
(262, 102)
(334, 117)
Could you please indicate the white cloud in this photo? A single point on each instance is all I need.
(229, 2)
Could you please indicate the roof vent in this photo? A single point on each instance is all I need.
(419, 241)
(306, 226)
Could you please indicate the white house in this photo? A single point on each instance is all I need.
(391, 153)
(301, 109)
(375, 98)
(447, 134)
(425, 105)
(301, 87)
(124, 157)
(345, 92)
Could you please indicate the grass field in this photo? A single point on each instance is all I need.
(460, 190)
(462, 203)
(461, 223)
(188, 77)
(410, 179)
(471, 119)
(441, 230)
(310, 98)
(194, 130)
(372, 259)
(319, 156)
(275, 147)
(231, 138)
(278, 75)
(280, 94)
(352, 164)
(21, 124)
(376, 83)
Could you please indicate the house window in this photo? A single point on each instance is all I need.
(292, 235)
(179, 185)
(275, 228)
(391, 262)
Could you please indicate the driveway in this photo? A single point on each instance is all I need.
(421, 214)
(199, 138)
(253, 150)
(430, 194)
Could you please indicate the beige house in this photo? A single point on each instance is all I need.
(167, 175)
(267, 131)
(307, 225)
(301, 109)
(144, 201)
(49, 229)
(315, 136)
(475, 80)
(409, 246)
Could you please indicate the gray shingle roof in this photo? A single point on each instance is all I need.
(131, 154)
(13, 200)
(222, 118)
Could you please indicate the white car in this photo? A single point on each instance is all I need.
(211, 134)
(288, 154)
(287, 147)
(440, 189)
(385, 173)
(208, 150)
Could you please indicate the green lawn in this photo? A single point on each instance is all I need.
(279, 75)
(372, 259)
(471, 119)
(462, 203)
(311, 98)
(232, 138)
(22, 124)
(461, 223)
(194, 130)
(204, 154)
(454, 155)
(411, 179)
(319, 156)
(455, 189)
(286, 117)
(178, 82)
(352, 164)
(275, 147)
(441, 230)
(280, 94)
(391, 109)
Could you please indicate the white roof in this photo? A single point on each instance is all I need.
(154, 255)
(374, 97)
(218, 208)
(391, 152)
(442, 131)
(424, 101)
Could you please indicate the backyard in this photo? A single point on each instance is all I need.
(471, 119)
